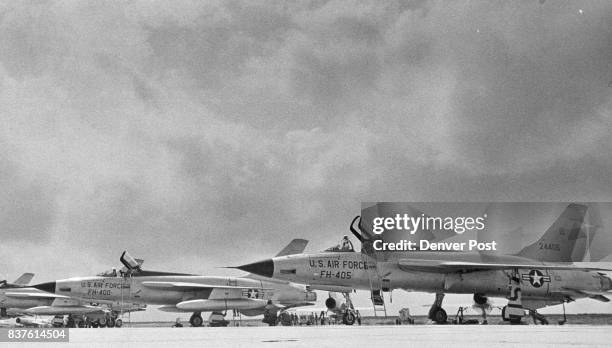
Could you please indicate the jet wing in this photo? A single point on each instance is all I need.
(180, 286)
(33, 295)
(442, 266)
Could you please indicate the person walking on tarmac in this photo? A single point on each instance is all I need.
(177, 323)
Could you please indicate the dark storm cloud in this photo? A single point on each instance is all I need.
(27, 208)
(205, 134)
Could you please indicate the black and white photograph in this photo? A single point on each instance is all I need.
(315, 173)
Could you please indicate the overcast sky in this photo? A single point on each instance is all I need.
(203, 134)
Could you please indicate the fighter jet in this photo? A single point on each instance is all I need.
(179, 292)
(532, 279)
(16, 299)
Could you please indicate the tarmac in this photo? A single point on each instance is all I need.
(491, 336)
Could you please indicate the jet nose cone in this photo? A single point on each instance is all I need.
(263, 268)
(48, 287)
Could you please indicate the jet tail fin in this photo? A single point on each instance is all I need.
(296, 246)
(24, 279)
(557, 243)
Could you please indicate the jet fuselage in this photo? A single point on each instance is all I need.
(216, 293)
(360, 271)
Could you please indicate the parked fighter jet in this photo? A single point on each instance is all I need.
(531, 279)
(178, 292)
(16, 299)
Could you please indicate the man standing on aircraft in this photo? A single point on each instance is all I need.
(346, 245)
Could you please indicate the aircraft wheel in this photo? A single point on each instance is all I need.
(439, 315)
(95, 324)
(111, 323)
(196, 320)
(118, 323)
(348, 318)
(503, 314)
(103, 322)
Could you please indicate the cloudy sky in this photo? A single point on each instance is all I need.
(202, 134)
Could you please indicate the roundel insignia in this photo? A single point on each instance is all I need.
(536, 278)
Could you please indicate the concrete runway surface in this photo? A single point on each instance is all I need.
(492, 336)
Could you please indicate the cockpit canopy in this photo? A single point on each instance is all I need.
(108, 273)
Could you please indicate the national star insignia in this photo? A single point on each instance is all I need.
(536, 278)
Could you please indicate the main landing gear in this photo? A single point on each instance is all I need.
(348, 316)
(436, 312)
(196, 319)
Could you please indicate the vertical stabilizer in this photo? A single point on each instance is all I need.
(557, 243)
(24, 279)
(296, 246)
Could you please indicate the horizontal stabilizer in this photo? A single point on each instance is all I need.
(440, 266)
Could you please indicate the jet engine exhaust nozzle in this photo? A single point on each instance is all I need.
(263, 268)
(48, 287)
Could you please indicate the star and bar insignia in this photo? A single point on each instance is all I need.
(536, 278)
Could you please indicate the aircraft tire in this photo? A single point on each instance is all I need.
(439, 315)
(95, 324)
(102, 322)
(111, 323)
(196, 320)
(348, 318)
(118, 323)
